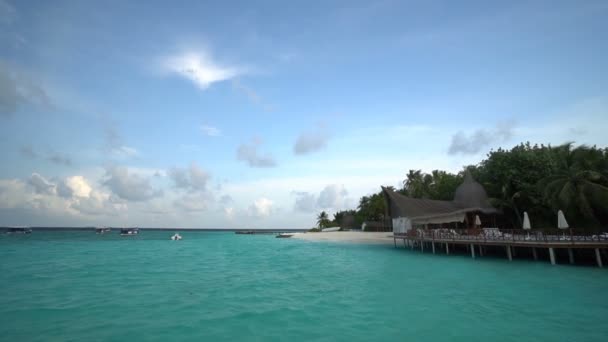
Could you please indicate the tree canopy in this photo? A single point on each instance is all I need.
(538, 179)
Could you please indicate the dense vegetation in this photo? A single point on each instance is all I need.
(539, 179)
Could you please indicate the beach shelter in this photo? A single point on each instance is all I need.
(477, 221)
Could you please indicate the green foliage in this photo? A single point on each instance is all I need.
(323, 220)
(538, 179)
(439, 185)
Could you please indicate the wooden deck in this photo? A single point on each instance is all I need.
(437, 240)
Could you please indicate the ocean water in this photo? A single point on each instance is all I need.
(78, 286)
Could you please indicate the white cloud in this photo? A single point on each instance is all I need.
(114, 142)
(192, 179)
(41, 185)
(261, 207)
(249, 154)
(200, 68)
(79, 186)
(229, 213)
(97, 203)
(18, 90)
(480, 139)
(128, 186)
(311, 141)
(211, 131)
(305, 201)
(332, 196)
(194, 202)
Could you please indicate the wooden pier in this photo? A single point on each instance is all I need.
(435, 240)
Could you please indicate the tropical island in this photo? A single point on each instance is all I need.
(537, 179)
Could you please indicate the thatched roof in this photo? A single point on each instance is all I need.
(470, 197)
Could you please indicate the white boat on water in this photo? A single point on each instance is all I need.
(129, 231)
(102, 230)
(176, 237)
(333, 229)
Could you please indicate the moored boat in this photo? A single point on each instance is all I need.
(129, 231)
(176, 237)
(102, 230)
(18, 230)
(283, 235)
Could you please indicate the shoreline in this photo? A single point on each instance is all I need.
(347, 237)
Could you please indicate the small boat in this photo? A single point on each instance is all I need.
(283, 236)
(129, 231)
(102, 230)
(333, 229)
(176, 237)
(18, 230)
(245, 232)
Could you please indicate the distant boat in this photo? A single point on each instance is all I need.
(283, 236)
(129, 231)
(334, 229)
(245, 232)
(176, 237)
(102, 230)
(19, 230)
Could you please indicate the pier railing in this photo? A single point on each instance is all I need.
(506, 235)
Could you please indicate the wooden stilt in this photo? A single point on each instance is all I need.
(422, 246)
(433, 244)
(509, 253)
(571, 256)
(552, 256)
(534, 253)
(472, 251)
(447, 248)
(598, 258)
(480, 250)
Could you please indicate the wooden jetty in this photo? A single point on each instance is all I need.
(438, 239)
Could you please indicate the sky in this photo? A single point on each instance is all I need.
(260, 114)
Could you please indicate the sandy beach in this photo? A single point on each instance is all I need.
(348, 236)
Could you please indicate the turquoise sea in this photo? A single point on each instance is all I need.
(79, 286)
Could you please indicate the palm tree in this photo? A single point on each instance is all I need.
(322, 219)
(576, 185)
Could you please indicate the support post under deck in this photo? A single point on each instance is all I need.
(534, 253)
(552, 256)
(571, 256)
(509, 253)
(447, 248)
(598, 257)
(433, 245)
(473, 251)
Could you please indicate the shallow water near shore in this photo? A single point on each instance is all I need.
(61, 286)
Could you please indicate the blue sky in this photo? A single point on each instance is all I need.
(261, 114)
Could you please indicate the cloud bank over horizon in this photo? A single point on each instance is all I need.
(223, 116)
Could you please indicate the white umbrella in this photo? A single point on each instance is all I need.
(561, 220)
(562, 223)
(477, 220)
(527, 225)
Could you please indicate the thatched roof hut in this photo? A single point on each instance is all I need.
(470, 199)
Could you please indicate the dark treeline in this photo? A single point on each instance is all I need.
(539, 179)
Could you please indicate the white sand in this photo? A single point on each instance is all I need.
(349, 236)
